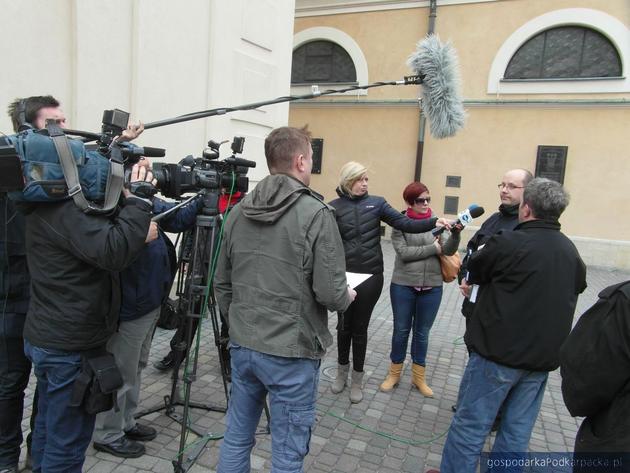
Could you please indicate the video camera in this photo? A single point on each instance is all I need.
(190, 174)
(207, 172)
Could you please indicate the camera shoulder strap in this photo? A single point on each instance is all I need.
(115, 175)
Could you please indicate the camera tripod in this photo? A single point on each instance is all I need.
(195, 295)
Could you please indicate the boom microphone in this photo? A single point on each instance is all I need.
(463, 218)
(438, 66)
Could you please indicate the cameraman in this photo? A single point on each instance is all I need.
(74, 259)
(145, 285)
(280, 267)
(15, 368)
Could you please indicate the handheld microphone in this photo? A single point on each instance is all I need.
(463, 218)
(436, 65)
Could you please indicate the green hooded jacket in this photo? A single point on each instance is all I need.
(281, 267)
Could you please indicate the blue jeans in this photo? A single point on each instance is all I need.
(62, 433)
(417, 310)
(292, 387)
(484, 388)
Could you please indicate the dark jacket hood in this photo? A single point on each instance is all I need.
(272, 197)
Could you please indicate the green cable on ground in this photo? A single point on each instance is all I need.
(406, 441)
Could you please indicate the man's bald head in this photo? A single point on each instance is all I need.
(512, 185)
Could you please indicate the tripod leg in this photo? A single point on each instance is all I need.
(221, 344)
(268, 416)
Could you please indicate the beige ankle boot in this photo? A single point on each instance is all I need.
(393, 377)
(418, 380)
(342, 378)
(356, 388)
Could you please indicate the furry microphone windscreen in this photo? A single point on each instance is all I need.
(441, 100)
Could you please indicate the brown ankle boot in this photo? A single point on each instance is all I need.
(418, 380)
(393, 377)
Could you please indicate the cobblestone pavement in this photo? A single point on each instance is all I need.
(393, 432)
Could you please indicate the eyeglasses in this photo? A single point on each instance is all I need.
(509, 187)
(422, 200)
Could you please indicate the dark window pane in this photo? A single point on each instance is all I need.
(599, 58)
(565, 52)
(299, 61)
(526, 63)
(322, 61)
(563, 48)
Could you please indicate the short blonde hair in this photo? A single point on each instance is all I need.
(350, 173)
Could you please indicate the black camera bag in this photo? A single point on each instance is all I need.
(96, 387)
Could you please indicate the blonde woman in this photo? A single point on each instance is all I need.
(359, 216)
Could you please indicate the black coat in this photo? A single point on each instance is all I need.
(359, 221)
(505, 219)
(74, 260)
(595, 369)
(14, 282)
(529, 281)
(147, 281)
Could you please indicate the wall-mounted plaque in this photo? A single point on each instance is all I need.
(551, 161)
(318, 148)
(453, 181)
(451, 204)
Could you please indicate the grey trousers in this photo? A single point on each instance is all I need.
(130, 347)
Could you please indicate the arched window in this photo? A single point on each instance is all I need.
(318, 62)
(565, 52)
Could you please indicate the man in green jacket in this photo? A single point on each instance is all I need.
(281, 267)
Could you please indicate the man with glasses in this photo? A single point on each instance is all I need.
(530, 279)
(506, 218)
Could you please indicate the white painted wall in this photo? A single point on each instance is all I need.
(156, 59)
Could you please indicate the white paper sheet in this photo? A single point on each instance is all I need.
(354, 279)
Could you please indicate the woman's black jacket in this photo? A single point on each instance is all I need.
(359, 221)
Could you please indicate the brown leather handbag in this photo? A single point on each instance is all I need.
(450, 266)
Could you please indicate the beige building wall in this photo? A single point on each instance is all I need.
(503, 131)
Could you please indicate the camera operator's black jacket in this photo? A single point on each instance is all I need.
(359, 222)
(595, 369)
(529, 281)
(74, 260)
(14, 282)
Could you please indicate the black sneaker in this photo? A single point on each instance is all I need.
(141, 432)
(165, 363)
(123, 448)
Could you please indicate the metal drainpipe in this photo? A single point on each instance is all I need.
(423, 118)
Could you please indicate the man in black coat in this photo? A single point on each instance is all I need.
(595, 368)
(506, 218)
(529, 281)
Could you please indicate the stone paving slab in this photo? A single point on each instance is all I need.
(386, 432)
